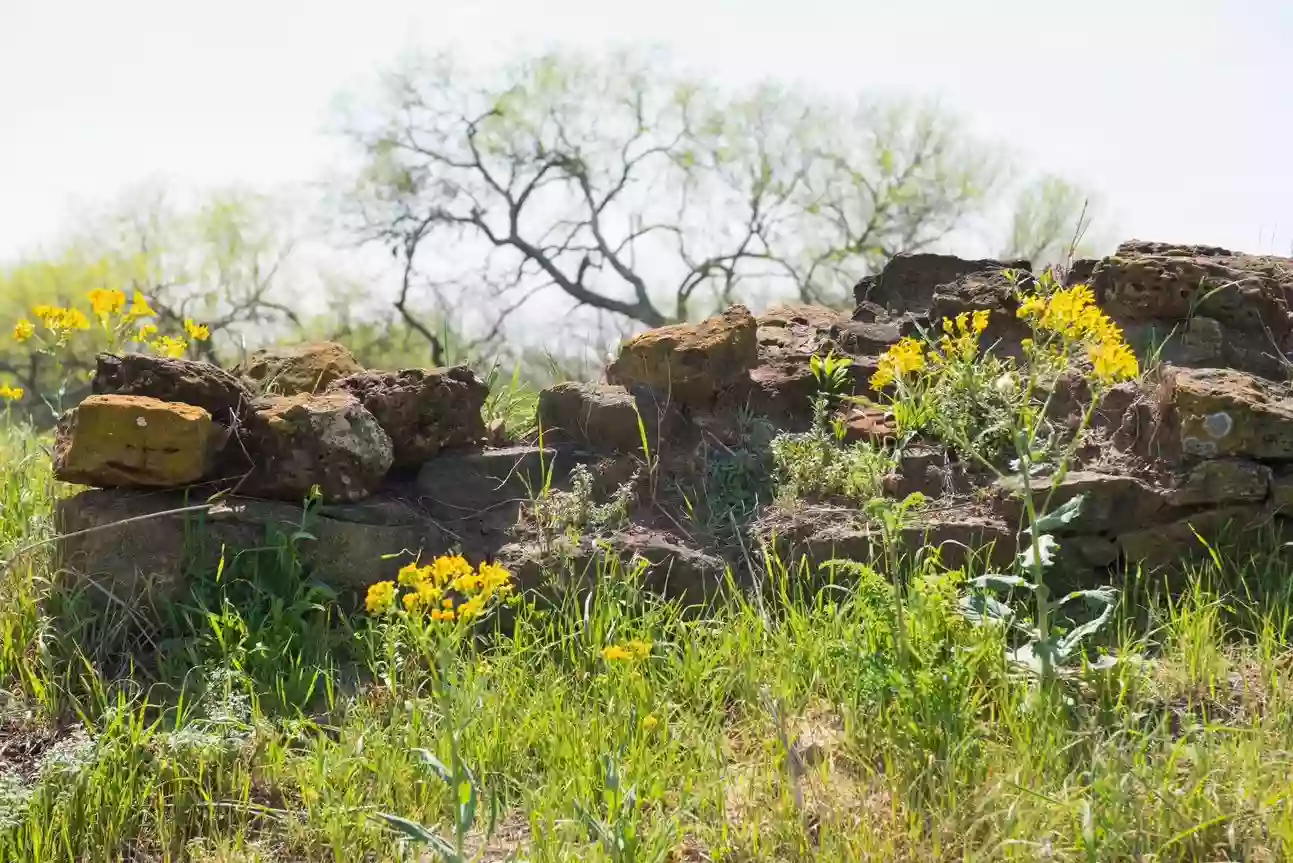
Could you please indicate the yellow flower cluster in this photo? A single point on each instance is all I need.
(904, 358)
(960, 340)
(630, 651)
(117, 319)
(1112, 360)
(11, 394)
(1072, 315)
(139, 308)
(169, 346)
(429, 587)
(105, 304)
(57, 320)
(381, 597)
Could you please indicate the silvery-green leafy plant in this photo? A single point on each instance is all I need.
(1045, 652)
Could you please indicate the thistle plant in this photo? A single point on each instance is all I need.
(949, 379)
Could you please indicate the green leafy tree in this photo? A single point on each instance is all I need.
(1051, 223)
(216, 265)
(645, 194)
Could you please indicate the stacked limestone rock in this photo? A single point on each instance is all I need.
(1206, 445)
(160, 436)
(292, 420)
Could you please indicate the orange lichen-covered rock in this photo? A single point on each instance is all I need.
(692, 364)
(295, 369)
(121, 440)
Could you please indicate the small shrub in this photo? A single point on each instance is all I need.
(576, 511)
(816, 465)
(735, 481)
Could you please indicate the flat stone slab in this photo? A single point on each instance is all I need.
(137, 545)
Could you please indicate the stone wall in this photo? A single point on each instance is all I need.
(1204, 444)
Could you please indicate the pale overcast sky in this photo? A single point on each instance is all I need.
(1178, 112)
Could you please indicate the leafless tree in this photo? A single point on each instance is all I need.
(630, 190)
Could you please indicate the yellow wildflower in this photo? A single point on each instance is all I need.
(1070, 313)
(23, 330)
(650, 722)
(1113, 361)
(442, 616)
(981, 321)
(616, 653)
(472, 607)
(139, 308)
(428, 593)
(444, 570)
(494, 578)
(59, 320)
(195, 331)
(467, 582)
(904, 358)
(11, 394)
(75, 319)
(106, 303)
(146, 332)
(411, 602)
(168, 346)
(641, 648)
(381, 597)
(411, 575)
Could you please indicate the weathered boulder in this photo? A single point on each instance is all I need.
(423, 410)
(956, 535)
(668, 567)
(870, 338)
(486, 485)
(1111, 503)
(803, 320)
(120, 440)
(989, 292)
(329, 440)
(1169, 545)
(1203, 342)
(1282, 491)
(782, 384)
(869, 424)
(1080, 272)
(134, 544)
(205, 385)
(599, 417)
(927, 471)
(1201, 306)
(1222, 412)
(296, 369)
(1143, 282)
(1070, 396)
(908, 282)
(783, 387)
(691, 364)
(1088, 552)
(1223, 480)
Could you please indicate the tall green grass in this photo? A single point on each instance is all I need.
(792, 724)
